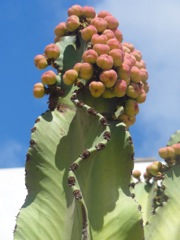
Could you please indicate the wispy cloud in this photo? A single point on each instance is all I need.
(12, 154)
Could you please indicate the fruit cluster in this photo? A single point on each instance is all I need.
(110, 68)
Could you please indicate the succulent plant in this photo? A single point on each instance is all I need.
(81, 156)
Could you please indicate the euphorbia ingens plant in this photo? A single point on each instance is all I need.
(80, 160)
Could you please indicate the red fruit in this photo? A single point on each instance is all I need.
(75, 10)
(52, 51)
(96, 88)
(70, 76)
(88, 12)
(88, 32)
(38, 90)
(101, 48)
(105, 62)
(40, 61)
(113, 43)
(108, 33)
(131, 107)
(120, 88)
(60, 29)
(112, 22)
(90, 56)
(118, 34)
(117, 56)
(108, 77)
(96, 38)
(72, 23)
(99, 23)
(86, 71)
(49, 78)
(103, 14)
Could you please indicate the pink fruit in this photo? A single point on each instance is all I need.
(99, 23)
(113, 43)
(133, 90)
(105, 62)
(49, 78)
(97, 38)
(140, 64)
(128, 45)
(108, 77)
(40, 61)
(96, 88)
(52, 51)
(137, 54)
(129, 59)
(103, 14)
(176, 148)
(108, 33)
(124, 72)
(60, 29)
(135, 74)
(72, 23)
(38, 90)
(75, 10)
(86, 71)
(101, 48)
(70, 76)
(90, 56)
(120, 88)
(117, 56)
(88, 32)
(112, 22)
(88, 12)
(118, 34)
(166, 152)
(131, 107)
(144, 74)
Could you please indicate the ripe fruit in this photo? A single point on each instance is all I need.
(113, 43)
(72, 23)
(117, 56)
(88, 32)
(112, 22)
(49, 78)
(99, 23)
(75, 10)
(108, 77)
(60, 29)
(38, 90)
(86, 71)
(52, 51)
(88, 12)
(96, 88)
(105, 62)
(70, 76)
(101, 48)
(96, 38)
(40, 61)
(120, 88)
(90, 56)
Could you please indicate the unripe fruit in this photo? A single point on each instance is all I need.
(70, 76)
(60, 29)
(129, 59)
(90, 56)
(40, 61)
(86, 71)
(136, 174)
(52, 51)
(176, 148)
(159, 165)
(38, 90)
(126, 49)
(96, 88)
(103, 14)
(140, 64)
(88, 32)
(131, 107)
(99, 23)
(166, 152)
(144, 74)
(75, 10)
(117, 56)
(49, 78)
(120, 88)
(108, 33)
(137, 54)
(133, 90)
(105, 62)
(118, 34)
(152, 169)
(88, 12)
(142, 97)
(130, 46)
(135, 74)
(96, 38)
(112, 22)
(101, 48)
(128, 120)
(108, 93)
(114, 44)
(124, 72)
(108, 77)
(72, 23)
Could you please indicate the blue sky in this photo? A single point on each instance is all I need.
(27, 27)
